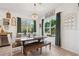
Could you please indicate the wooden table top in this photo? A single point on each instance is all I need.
(32, 38)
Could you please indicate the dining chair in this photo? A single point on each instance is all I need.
(15, 45)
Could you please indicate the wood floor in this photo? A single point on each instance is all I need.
(55, 51)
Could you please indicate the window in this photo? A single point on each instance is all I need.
(50, 26)
(27, 26)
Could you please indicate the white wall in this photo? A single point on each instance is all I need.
(1, 17)
(11, 28)
(38, 28)
(69, 37)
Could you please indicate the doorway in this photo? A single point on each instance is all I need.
(58, 29)
(52, 29)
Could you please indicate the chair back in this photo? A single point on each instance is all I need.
(10, 39)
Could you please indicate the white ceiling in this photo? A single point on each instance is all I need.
(26, 9)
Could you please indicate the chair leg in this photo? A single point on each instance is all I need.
(22, 49)
(50, 46)
(11, 51)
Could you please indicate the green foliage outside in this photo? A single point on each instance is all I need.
(50, 27)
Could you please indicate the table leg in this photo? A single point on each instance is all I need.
(39, 40)
(40, 50)
(23, 48)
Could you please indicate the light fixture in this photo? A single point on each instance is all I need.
(34, 16)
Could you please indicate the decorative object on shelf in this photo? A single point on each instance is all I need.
(13, 21)
(1, 29)
(6, 21)
(70, 21)
(8, 15)
(6, 27)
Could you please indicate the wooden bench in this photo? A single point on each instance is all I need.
(47, 43)
(31, 47)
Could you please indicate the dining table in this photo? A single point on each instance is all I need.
(29, 39)
(25, 40)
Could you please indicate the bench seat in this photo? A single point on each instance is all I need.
(29, 48)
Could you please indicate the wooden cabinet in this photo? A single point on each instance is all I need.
(4, 40)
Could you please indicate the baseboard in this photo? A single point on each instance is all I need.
(70, 50)
(5, 45)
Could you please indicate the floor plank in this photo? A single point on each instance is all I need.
(55, 51)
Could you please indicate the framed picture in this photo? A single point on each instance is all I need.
(6, 21)
(13, 21)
